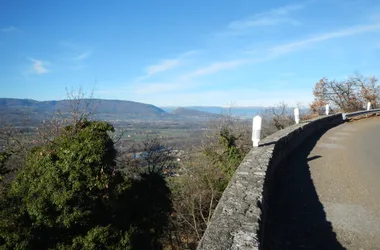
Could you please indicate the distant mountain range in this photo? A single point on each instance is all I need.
(187, 112)
(101, 106)
(235, 111)
(13, 109)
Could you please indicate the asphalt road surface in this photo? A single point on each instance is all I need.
(327, 194)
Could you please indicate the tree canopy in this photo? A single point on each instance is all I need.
(69, 195)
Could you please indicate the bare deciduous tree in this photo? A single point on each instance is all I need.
(276, 118)
(206, 173)
(349, 95)
(77, 107)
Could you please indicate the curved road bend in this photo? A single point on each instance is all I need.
(328, 196)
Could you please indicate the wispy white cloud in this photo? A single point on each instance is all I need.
(278, 50)
(164, 65)
(168, 64)
(215, 67)
(38, 67)
(77, 52)
(268, 18)
(289, 47)
(82, 56)
(188, 53)
(262, 21)
(9, 29)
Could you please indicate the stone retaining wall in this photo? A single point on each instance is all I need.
(239, 217)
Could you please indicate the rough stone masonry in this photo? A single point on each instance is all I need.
(239, 218)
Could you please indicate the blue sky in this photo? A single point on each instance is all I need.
(181, 53)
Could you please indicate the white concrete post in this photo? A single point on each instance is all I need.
(327, 109)
(368, 105)
(297, 115)
(256, 130)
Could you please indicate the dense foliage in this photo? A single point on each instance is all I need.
(4, 156)
(70, 195)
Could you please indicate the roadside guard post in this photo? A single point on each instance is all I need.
(327, 109)
(297, 115)
(256, 130)
(368, 105)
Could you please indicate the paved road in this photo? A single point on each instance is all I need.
(328, 195)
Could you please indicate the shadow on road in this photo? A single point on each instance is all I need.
(296, 218)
